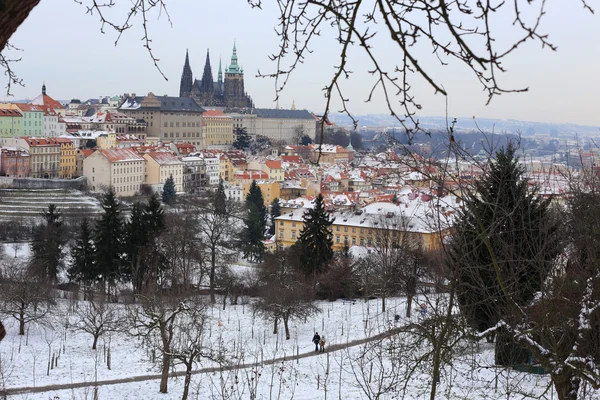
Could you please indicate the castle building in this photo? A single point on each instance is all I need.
(228, 91)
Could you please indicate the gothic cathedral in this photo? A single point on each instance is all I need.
(228, 92)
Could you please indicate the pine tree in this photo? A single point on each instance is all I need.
(83, 266)
(154, 216)
(220, 200)
(253, 235)
(255, 197)
(169, 194)
(275, 212)
(242, 139)
(316, 240)
(47, 245)
(503, 245)
(109, 239)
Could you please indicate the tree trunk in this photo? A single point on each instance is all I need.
(286, 318)
(96, 336)
(409, 301)
(383, 302)
(22, 321)
(186, 382)
(12, 15)
(164, 374)
(213, 267)
(275, 325)
(566, 385)
(224, 300)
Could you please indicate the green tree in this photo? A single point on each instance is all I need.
(306, 140)
(109, 238)
(169, 194)
(47, 245)
(255, 197)
(275, 212)
(503, 245)
(83, 266)
(242, 139)
(316, 240)
(253, 235)
(145, 224)
(220, 200)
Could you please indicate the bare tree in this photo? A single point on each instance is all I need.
(396, 265)
(97, 317)
(23, 297)
(155, 322)
(286, 293)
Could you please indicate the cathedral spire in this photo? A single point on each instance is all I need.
(293, 104)
(234, 68)
(220, 76)
(207, 85)
(185, 87)
(44, 88)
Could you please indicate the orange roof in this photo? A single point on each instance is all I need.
(29, 107)
(214, 113)
(273, 164)
(292, 159)
(63, 140)
(87, 152)
(7, 112)
(120, 155)
(41, 141)
(48, 101)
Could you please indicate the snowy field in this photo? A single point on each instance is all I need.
(352, 373)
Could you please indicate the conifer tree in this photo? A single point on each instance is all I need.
(109, 239)
(242, 139)
(83, 266)
(315, 244)
(220, 200)
(275, 212)
(503, 245)
(169, 194)
(253, 235)
(255, 197)
(47, 245)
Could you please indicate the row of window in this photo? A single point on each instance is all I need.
(183, 124)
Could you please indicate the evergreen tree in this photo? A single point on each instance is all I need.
(275, 212)
(83, 267)
(253, 235)
(145, 224)
(316, 240)
(220, 200)
(169, 194)
(255, 197)
(242, 139)
(503, 245)
(109, 239)
(47, 245)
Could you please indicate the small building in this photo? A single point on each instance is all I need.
(15, 162)
(121, 170)
(68, 158)
(160, 165)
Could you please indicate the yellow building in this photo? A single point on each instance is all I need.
(217, 130)
(68, 158)
(106, 141)
(269, 189)
(361, 229)
(160, 165)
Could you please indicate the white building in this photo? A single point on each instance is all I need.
(123, 170)
(234, 192)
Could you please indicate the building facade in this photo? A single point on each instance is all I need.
(11, 122)
(121, 170)
(217, 131)
(160, 165)
(168, 119)
(68, 158)
(15, 163)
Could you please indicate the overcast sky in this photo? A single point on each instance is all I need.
(63, 47)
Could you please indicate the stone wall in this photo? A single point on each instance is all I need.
(37, 183)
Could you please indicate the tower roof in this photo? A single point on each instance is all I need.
(207, 85)
(234, 68)
(185, 87)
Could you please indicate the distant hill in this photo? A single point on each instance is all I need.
(526, 128)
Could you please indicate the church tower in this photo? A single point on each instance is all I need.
(235, 96)
(185, 87)
(207, 85)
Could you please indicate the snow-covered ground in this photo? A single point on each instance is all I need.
(249, 339)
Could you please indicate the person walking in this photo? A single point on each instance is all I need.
(322, 344)
(316, 339)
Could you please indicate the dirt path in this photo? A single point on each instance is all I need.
(140, 378)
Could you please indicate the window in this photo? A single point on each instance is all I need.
(337, 239)
(345, 229)
(280, 223)
(353, 240)
(293, 234)
(281, 234)
(337, 228)
(353, 230)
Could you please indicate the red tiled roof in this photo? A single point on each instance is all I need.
(7, 112)
(163, 157)
(273, 164)
(120, 155)
(87, 152)
(41, 141)
(48, 101)
(214, 113)
(251, 174)
(29, 107)
(292, 159)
